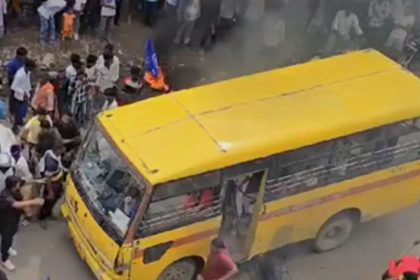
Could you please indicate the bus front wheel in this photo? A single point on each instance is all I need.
(334, 232)
(181, 270)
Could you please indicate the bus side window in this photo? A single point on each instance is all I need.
(354, 155)
(181, 203)
(403, 140)
(297, 171)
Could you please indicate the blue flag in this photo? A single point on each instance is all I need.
(151, 63)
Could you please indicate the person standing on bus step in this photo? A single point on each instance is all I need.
(11, 209)
(220, 265)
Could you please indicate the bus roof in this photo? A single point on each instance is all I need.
(213, 126)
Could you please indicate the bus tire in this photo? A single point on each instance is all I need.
(335, 232)
(180, 270)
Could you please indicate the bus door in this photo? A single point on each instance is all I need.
(241, 205)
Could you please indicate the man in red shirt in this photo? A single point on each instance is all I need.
(220, 265)
(407, 267)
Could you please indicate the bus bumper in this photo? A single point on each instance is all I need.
(85, 251)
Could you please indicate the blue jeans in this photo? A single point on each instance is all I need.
(47, 25)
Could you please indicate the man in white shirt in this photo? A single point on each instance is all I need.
(345, 22)
(403, 23)
(108, 11)
(79, 6)
(46, 13)
(20, 163)
(75, 64)
(108, 69)
(21, 87)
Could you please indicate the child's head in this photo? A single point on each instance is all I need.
(91, 60)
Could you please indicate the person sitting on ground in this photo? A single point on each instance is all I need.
(134, 83)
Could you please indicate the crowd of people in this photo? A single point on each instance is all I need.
(388, 26)
(48, 125)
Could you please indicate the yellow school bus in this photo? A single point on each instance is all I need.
(305, 152)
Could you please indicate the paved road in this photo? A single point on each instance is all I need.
(50, 253)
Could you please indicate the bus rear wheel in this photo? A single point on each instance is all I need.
(334, 232)
(181, 270)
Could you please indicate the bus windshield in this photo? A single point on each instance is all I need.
(107, 184)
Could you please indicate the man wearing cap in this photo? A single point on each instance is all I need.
(11, 208)
(6, 168)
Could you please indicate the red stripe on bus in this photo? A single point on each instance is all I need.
(299, 207)
(337, 196)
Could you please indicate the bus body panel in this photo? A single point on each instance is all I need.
(188, 241)
(88, 231)
(300, 217)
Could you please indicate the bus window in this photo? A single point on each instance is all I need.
(182, 202)
(350, 154)
(344, 158)
(297, 171)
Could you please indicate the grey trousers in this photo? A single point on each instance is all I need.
(105, 27)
